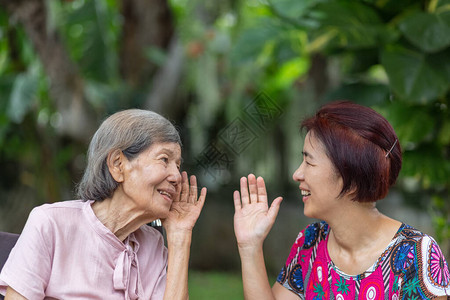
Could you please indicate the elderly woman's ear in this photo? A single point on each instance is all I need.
(115, 162)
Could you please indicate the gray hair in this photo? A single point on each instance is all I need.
(131, 131)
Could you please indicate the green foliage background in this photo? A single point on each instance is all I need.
(391, 55)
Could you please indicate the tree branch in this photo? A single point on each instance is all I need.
(162, 97)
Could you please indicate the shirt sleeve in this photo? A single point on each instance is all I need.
(28, 267)
(290, 275)
(431, 276)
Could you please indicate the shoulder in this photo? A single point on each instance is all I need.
(150, 237)
(418, 256)
(62, 205)
(314, 233)
(307, 239)
(51, 217)
(56, 213)
(58, 207)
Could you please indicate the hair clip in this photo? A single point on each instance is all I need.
(391, 148)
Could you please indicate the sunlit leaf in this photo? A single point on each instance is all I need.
(289, 72)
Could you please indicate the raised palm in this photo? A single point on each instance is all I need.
(186, 208)
(253, 218)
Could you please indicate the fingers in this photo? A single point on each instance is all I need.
(244, 192)
(189, 190)
(261, 190)
(237, 200)
(193, 190)
(184, 187)
(202, 198)
(252, 188)
(274, 208)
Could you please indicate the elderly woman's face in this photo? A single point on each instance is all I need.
(152, 180)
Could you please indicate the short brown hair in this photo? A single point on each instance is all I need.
(362, 146)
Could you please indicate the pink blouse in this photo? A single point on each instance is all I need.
(65, 252)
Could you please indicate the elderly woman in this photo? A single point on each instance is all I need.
(100, 247)
(351, 157)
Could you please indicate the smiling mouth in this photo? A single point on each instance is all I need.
(305, 193)
(166, 194)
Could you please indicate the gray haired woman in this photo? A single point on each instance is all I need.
(100, 247)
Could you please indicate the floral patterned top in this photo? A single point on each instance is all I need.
(411, 267)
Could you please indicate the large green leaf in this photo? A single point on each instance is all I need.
(90, 31)
(351, 24)
(416, 76)
(413, 124)
(293, 8)
(427, 163)
(362, 93)
(22, 96)
(444, 134)
(429, 32)
(252, 41)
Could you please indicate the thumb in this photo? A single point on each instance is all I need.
(274, 208)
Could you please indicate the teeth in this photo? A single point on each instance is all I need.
(165, 193)
(305, 193)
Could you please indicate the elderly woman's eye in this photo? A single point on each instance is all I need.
(165, 159)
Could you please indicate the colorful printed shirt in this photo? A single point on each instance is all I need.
(411, 267)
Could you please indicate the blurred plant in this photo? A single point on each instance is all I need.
(391, 55)
(64, 65)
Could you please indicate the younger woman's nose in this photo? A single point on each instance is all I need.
(298, 174)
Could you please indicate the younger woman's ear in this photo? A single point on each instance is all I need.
(115, 162)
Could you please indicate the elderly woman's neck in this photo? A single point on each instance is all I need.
(119, 218)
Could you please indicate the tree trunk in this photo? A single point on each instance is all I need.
(66, 85)
(147, 23)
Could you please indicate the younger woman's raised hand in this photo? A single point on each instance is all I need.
(253, 218)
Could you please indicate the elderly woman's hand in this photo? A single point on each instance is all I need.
(186, 208)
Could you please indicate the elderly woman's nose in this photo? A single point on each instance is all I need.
(175, 175)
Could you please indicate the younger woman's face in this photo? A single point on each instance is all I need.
(318, 180)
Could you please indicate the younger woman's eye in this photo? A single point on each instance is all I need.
(305, 161)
